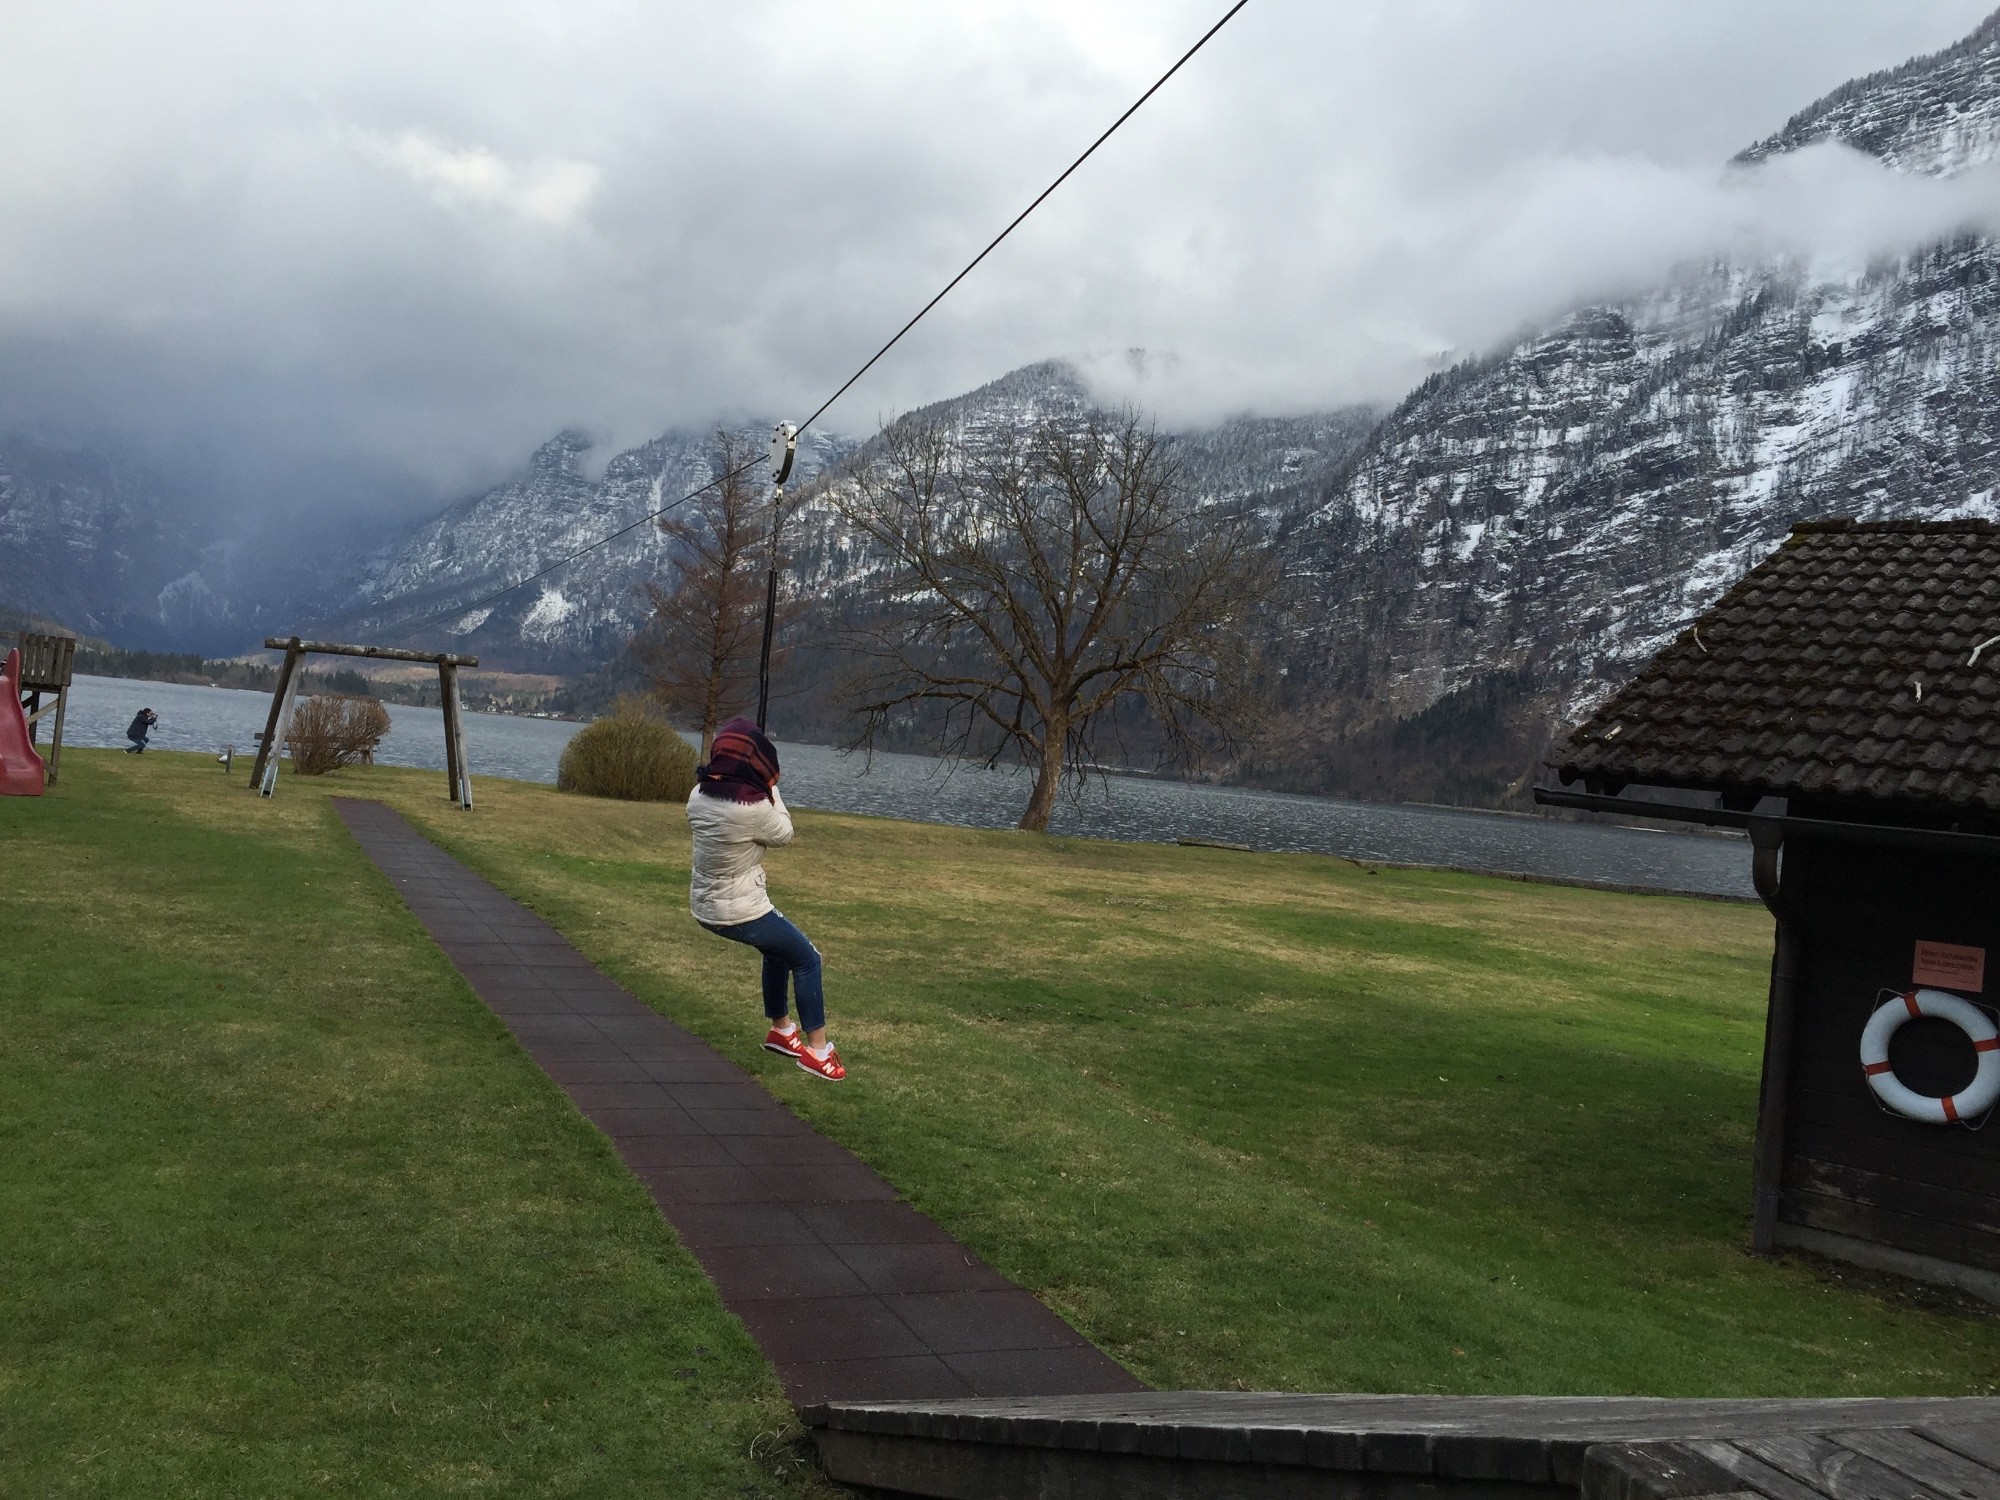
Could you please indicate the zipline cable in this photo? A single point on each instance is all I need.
(1023, 214)
(848, 384)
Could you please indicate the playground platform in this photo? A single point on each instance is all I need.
(1190, 1445)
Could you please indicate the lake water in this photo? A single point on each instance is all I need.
(928, 790)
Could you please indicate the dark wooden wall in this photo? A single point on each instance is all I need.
(1851, 1166)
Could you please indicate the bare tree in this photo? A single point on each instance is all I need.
(699, 647)
(1032, 585)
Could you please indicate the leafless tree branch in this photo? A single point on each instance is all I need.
(1038, 581)
(698, 647)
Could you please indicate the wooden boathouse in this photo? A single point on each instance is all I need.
(1842, 705)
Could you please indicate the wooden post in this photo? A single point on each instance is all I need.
(281, 728)
(283, 732)
(1774, 1093)
(464, 765)
(267, 751)
(450, 731)
(55, 739)
(454, 737)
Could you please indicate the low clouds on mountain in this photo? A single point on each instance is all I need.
(384, 250)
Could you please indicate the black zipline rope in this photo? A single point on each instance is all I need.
(1024, 214)
(847, 384)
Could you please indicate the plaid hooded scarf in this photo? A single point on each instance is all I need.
(742, 765)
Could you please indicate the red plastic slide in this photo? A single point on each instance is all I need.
(22, 773)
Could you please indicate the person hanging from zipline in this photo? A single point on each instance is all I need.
(736, 814)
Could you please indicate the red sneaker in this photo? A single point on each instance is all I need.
(785, 1043)
(828, 1067)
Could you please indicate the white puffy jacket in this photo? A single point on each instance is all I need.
(730, 837)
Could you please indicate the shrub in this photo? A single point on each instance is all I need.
(632, 755)
(328, 733)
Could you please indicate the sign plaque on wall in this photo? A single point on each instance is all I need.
(1949, 966)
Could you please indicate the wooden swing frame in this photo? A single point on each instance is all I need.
(458, 779)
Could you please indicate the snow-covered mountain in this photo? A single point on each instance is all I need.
(1513, 539)
(1527, 528)
(1465, 572)
(97, 540)
(583, 612)
(430, 585)
(118, 545)
(1933, 115)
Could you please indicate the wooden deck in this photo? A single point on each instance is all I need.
(1191, 1444)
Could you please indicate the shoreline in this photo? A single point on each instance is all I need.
(1525, 877)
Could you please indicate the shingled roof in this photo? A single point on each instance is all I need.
(1840, 668)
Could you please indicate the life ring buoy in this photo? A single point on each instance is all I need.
(1969, 1102)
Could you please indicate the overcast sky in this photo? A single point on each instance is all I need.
(402, 243)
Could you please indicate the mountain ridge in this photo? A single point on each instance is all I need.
(1524, 530)
(1934, 115)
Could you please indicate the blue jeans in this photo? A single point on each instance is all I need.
(787, 953)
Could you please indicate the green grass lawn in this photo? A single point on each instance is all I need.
(1247, 1120)
(284, 1211)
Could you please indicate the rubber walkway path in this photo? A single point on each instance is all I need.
(852, 1294)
